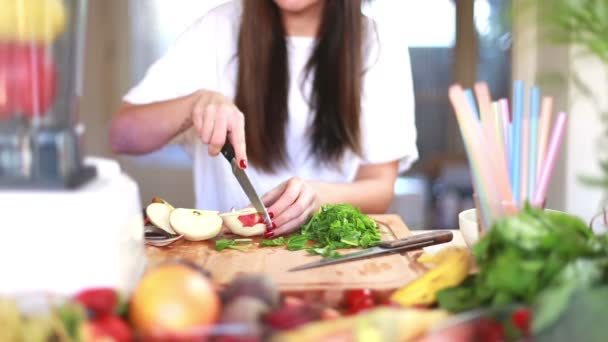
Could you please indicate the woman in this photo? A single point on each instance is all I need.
(315, 97)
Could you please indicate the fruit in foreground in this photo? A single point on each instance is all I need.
(451, 267)
(106, 328)
(244, 222)
(101, 301)
(173, 298)
(252, 285)
(196, 225)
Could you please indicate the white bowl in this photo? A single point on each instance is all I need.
(469, 227)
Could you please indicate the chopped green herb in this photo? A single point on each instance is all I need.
(297, 242)
(280, 241)
(332, 227)
(238, 244)
(325, 252)
(340, 226)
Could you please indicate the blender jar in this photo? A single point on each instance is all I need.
(41, 43)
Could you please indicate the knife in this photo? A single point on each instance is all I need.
(241, 177)
(385, 247)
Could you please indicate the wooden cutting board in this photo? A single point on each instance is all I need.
(379, 273)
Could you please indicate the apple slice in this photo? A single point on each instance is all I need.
(160, 200)
(244, 222)
(196, 225)
(159, 213)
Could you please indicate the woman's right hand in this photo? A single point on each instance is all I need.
(217, 120)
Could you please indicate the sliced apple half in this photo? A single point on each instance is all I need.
(159, 213)
(244, 222)
(196, 225)
(160, 200)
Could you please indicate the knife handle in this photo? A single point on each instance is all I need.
(228, 151)
(434, 238)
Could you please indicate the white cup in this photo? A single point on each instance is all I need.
(469, 226)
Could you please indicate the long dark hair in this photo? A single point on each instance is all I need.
(263, 82)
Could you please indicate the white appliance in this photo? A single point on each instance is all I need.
(68, 222)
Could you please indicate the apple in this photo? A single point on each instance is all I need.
(159, 213)
(244, 222)
(160, 200)
(196, 225)
(28, 80)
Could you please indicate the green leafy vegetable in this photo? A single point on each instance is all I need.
(332, 227)
(340, 226)
(297, 242)
(325, 252)
(238, 244)
(537, 257)
(280, 241)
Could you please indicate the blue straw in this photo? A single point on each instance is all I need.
(518, 113)
(471, 100)
(534, 118)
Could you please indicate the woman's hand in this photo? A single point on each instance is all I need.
(217, 120)
(290, 205)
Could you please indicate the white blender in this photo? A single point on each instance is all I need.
(68, 222)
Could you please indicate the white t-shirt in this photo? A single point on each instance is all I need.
(204, 57)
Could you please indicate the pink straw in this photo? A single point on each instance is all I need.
(525, 150)
(496, 154)
(472, 136)
(557, 137)
(543, 129)
(506, 125)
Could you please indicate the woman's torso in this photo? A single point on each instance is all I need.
(205, 57)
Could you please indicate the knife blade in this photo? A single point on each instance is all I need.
(385, 247)
(241, 177)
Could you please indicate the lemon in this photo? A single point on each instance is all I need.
(39, 21)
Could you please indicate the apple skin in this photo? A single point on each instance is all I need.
(28, 80)
(160, 200)
(196, 225)
(236, 224)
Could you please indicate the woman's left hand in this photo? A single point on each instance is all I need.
(290, 204)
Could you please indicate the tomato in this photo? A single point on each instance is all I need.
(27, 80)
(521, 319)
(359, 300)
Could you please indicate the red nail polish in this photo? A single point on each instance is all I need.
(274, 225)
(243, 164)
(271, 214)
(268, 235)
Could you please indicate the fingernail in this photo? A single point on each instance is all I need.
(271, 214)
(243, 164)
(273, 226)
(268, 235)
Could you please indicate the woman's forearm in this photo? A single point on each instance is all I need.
(139, 129)
(372, 190)
(372, 196)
